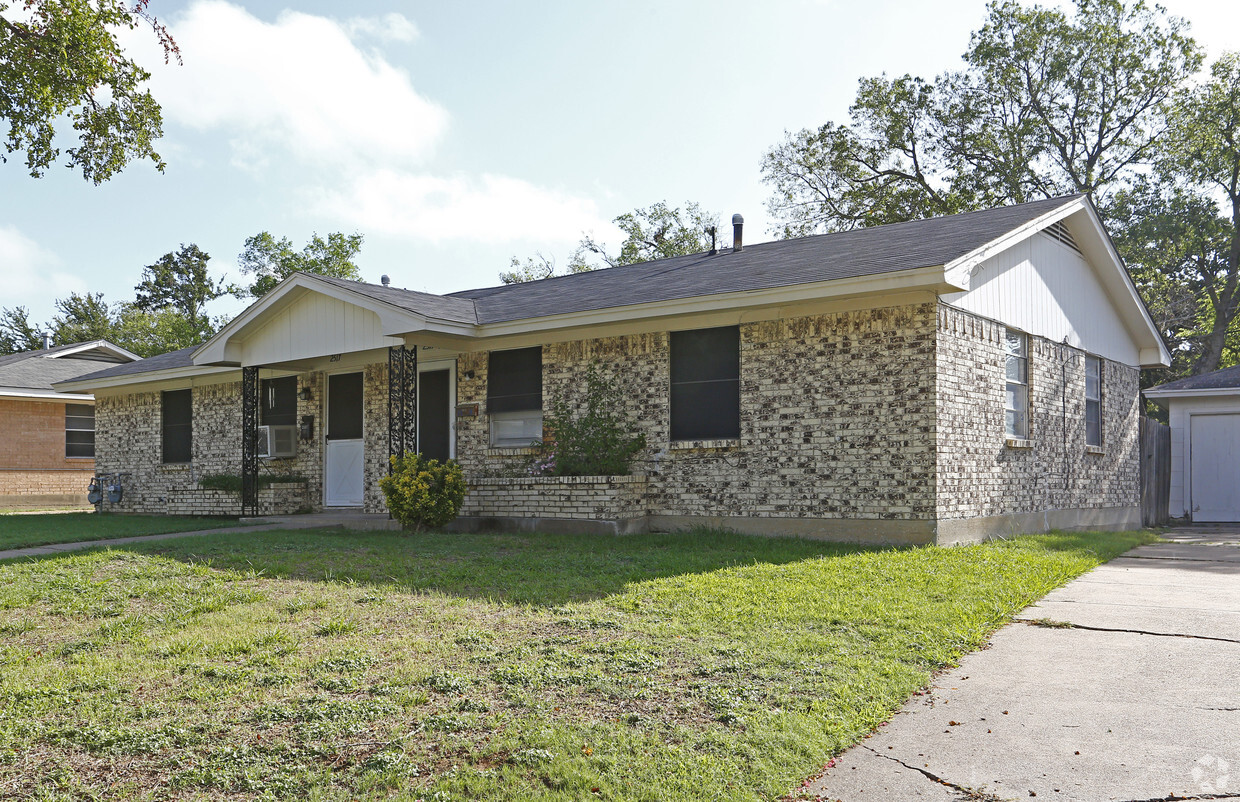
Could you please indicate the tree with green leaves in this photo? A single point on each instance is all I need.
(61, 61)
(1047, 104)
(81, 318)
(17, 333)
(1179, 227)
(181, 281)
(270, 260)
(655, 232)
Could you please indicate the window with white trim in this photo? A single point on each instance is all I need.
(1093, 401)
(514, 397)
(79, 430)
(1016, 395)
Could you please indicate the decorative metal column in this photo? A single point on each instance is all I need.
(249, 441)
(402, 401)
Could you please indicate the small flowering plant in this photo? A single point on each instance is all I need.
(543, 465)
(586, 432)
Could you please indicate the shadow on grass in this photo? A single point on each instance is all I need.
(537, 569)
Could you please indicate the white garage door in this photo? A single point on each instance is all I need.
(1215, 444)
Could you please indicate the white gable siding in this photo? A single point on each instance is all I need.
(314, 325)
(1046, 288)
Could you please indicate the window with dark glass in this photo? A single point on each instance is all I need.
(279, 401)
(1093, 401)
(514, 396)
(178, 425)
(706, 384)
(79, 430)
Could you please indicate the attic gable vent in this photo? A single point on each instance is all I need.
(1060, 232)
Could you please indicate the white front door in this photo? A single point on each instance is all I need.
(343, 472)
(1214, 441)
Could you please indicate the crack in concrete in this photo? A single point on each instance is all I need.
(1069, 625)
(967, 793)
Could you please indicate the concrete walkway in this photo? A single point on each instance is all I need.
(327, 520)
(1134, 696)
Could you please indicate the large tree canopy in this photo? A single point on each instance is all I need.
(180, 281)
(61, 59)
(270, 260)
(1047, 104)
(655, 232)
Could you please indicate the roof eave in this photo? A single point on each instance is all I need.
(145, 377)
(32, 394)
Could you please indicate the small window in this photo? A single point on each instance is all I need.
(79, 430)
(514, 396)
(178, 425)
(1093, 401)
(1016, 402)
(279, 401)
(706, 384)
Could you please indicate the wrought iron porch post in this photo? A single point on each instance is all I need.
(249, 440)
(402, 401)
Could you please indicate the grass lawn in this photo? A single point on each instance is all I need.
(334, 666)
(20, 531)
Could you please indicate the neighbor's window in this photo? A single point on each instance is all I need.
(514, 396)
(706, 384)
(1093, 401)
(1016, 403)
(178, 423)
(279, 401)
(79, 430)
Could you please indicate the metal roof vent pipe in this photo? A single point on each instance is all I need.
(738, 223)
(47, 341)
(385, 280)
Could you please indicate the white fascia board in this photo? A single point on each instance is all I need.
(1207, 392)
(103, 345)
(928, 278)
(24, 394)
(147, 377)
(393, 320)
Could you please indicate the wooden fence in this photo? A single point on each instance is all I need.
(1155, 473)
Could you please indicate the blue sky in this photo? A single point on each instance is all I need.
(454, 136)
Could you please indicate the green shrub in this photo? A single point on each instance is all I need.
(588, 434)
(423, 493)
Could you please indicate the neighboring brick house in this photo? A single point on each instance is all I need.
(941, 380)
(47, 438)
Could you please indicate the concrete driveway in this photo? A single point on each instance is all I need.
(1127, 688)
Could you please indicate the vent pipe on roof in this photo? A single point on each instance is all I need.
(47, 340)
(738, 223)
(385, 280)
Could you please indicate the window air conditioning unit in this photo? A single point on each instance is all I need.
(277, 441)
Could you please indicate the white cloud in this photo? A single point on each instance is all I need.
(32, 274)
(491, 208)
(299, 85)
(391, 27)
(308, 93)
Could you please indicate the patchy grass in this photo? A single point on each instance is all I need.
(441, 667)
(21, 531)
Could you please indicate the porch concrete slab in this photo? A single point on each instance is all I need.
(1079, 714)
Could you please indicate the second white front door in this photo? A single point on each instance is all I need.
(344, 468)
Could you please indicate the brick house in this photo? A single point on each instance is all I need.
(941, 380)
(47, 437)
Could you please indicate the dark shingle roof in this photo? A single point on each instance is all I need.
(40, 369)
(864, 252)
(172, 359)
(850, 254)
(441, 307)
(1225, 379)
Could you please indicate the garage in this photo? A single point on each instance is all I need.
(1204, 415)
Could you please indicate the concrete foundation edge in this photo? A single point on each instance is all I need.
(977, 530)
